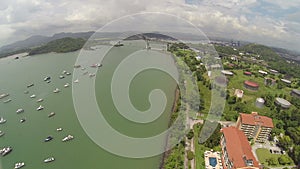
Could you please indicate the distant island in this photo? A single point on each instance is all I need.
(59, 46)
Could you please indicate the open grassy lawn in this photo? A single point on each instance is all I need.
(264, 154)
(249, 98)
(200, 149)
(206, 94)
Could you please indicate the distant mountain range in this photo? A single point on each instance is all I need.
(38, 41)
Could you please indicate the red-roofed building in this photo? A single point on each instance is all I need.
(248, 73)
(237, 153)
(254, 126)
(251, 85)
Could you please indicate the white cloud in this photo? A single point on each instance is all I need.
(284, 4)
(227, 18)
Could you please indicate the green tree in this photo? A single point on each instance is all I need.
(190, 155)
(272, 161)
(232, 100)
(285, 142)
(190, 134)
(283, 160)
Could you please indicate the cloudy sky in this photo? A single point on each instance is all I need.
(271, 22)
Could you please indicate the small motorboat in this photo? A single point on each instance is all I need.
(1, 133)
(7, 101)
(66, 85)
(51, 114)
(49, 138)
(56, 90)
(40, 108)
(40, 100)
(47, 78)
(49, 159)
(2, 120)
(68, 138)
(20, 111)
(19, 165)
(30, 85)
(22, 120)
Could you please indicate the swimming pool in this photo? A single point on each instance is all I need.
(212, 161)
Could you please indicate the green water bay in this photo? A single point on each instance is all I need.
(27, 139)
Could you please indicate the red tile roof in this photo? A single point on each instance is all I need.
(250, 83)
(255, 119)
(247, 73)
(238, 147)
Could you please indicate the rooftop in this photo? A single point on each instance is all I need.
(282, 101)
(250, 83)
(247, 73)
(296, 91)
(238, 147)
(263, 72)
(226, 72)
(286, 81)
(255, 119)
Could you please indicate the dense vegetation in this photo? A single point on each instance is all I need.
(59, 46)
(252, 58)
(273, 59)
(286, 121)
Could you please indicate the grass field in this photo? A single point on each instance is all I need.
(237, 82)
(264, 154)
(200, 149)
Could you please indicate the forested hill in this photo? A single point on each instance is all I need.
(265, 52)
(274, 60)
(60, 46)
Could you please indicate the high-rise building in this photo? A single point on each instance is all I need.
(237, 153)
(254, 126)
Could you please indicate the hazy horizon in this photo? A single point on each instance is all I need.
(270, 22)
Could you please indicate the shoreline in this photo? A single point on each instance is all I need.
(165, 155)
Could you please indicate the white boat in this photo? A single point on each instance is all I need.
(40, 108)
(76, 81)
(40, 100)
(19, 165)
(92, 74)
(30, 85)
(2, 120)
(56, 90)
(4, 95)
(33, 96)
(96, 65)
(47, 78)
(1, 133)
(51, 114)
(4, 151)
(22, 120)
(61, 76)
(68, 73)
(77, 66)
(66, 85)
(59, 129)
(20, 111)
(49, 159)
(64, 72)
(68, 138)
(6, 101)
